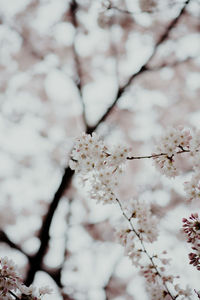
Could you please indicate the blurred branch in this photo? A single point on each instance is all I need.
(143, 68)
(5, 239)
(73, 9)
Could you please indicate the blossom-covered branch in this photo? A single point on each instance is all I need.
(101, 166)
(156, 280)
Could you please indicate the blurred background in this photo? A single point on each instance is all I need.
(126, 69)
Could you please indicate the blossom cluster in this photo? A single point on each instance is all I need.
(174, 141)
(158, 281)
(155, 273)
(142, 226)
(192, 187)
(144, 222)
(156, 291)
(11, 284)
(101, 166)
(142, 230)
(191, 227)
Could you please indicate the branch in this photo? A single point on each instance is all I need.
(157, 155)
(142, 69)
(144, 248)
(73, 9)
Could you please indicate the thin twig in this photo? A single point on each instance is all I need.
(151, 11)
(157, 155)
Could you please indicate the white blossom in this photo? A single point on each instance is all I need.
(101, 166)
(175, 140)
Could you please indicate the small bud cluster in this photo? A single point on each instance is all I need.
(11, 284)
(171, 143)
(192, 229)
(101, 166)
